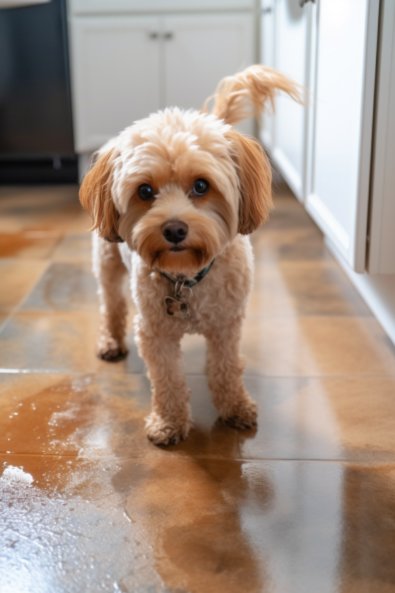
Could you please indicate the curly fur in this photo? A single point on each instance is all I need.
(170, 150)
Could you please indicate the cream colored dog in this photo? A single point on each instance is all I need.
(173, 198)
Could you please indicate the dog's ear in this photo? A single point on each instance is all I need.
(96, 198)
(255, 178)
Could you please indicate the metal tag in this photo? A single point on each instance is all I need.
(176, 307)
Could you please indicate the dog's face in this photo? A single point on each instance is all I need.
(177, 187)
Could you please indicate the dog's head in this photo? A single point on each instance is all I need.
(177, 187)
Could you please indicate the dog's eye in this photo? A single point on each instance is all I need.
(200, 187)
(145, 191)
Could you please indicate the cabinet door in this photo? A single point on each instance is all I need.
(290, 124)
(382, 207)
(343, 110)
(202, 49)
(115, 67)
(286, 45)
(267, 58)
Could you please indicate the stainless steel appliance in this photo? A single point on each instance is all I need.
(36, 134)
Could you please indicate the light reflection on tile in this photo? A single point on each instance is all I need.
(65, 286)
(58, 341)
(101, 416)
(18, 277)
(289, 288)
(74, 247)
(306, 346)
(199, 525)
(317, 346)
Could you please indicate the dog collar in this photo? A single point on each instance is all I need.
(184, 280)
(178, 304)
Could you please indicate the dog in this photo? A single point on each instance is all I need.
(173, 199)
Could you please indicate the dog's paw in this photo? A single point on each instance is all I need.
(243, 418)
(113, 355)
(111, 351)
(163, 433)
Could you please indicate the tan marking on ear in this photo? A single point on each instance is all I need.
(95, 197)
(255, 176)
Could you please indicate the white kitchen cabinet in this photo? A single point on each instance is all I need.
(349, 174)
(267, 41)
(323, 150)
(286, 46)
(382, 212)
(125, 67)
(338, 183)
(115, 75)
(202, 50)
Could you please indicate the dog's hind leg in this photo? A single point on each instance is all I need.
(111, 275)
(225, 378)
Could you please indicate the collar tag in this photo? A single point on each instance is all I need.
(177, 308)
(177, 305)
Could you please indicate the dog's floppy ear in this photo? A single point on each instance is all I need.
(255, 178)
(96, 198)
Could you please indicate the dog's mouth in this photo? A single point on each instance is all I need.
(176, 248)
(179, 259)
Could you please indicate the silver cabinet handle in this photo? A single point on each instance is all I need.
(267, 10)
(155, 35)
(303, 2)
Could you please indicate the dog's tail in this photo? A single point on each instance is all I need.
(246, 93)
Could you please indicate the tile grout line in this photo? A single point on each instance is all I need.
(184, 455)
(142, 373)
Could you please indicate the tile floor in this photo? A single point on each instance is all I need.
(305, 504)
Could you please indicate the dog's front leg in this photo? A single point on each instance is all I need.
(169, 421)
(111, 276)
(225, 377)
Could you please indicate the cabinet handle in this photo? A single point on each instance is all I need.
(303, 2)
(267, 10)
(155, 35)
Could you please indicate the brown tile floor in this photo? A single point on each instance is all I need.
(306, 504)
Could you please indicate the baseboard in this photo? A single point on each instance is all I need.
(378, 291)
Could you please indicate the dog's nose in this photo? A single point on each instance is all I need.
(175, 231)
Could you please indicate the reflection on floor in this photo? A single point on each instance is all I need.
(304, 504)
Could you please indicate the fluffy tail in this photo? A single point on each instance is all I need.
(246, 93)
